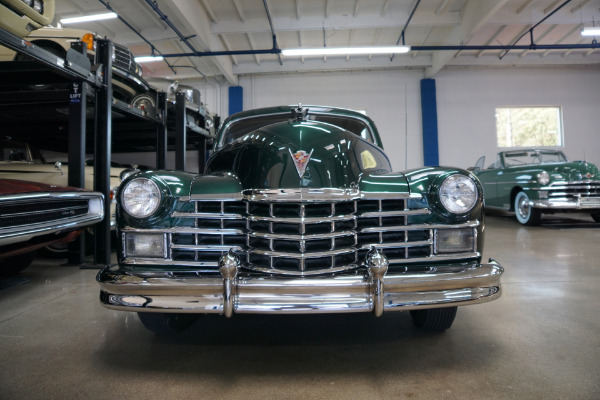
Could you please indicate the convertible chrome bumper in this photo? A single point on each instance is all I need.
(234, 291)
(583, 203)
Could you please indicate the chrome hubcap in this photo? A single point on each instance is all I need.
(524, 207)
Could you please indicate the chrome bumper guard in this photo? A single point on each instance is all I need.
(376, 291)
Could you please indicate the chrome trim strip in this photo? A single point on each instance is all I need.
(189, 230)
(436, 257)
(397, 245)
(302, 220)
(214, 247)
(212, 197)
(419, 227)
(159, 262)
(419, 211)
(302, 256)
(301, 237)
(329, 270)
(177, 214)
(302, 194)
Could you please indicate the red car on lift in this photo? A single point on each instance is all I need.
(34, 215)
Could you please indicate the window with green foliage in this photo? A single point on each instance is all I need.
(529, 126)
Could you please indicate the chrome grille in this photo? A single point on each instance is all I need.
(218, 225)
(574, 189)
(34, 211)
(299, 237)
(123, 58)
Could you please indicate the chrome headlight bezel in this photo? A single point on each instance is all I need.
(140, 197)
(543, 178)
(458, 194)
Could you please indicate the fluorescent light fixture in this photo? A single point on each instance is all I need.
(89, 18)
(591, 31)
(329, 51)
(148, 59)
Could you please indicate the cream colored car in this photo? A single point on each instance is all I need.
(21, 17)
(128, 84)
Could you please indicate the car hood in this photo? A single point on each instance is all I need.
(11, 186)
(274, 156)
(573, 171)
(49, 173)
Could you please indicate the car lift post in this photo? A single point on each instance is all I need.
(102, 149)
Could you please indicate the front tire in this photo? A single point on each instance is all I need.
(434, 319)
(16, 264)
(526, 214)
(166, 323)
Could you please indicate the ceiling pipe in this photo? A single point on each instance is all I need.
(402, 34)
(165, 18)
(109, 8)
(511, 47)
(272, 30)
(530, 31)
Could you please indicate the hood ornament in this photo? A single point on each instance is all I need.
(301, 159)
(299, 114)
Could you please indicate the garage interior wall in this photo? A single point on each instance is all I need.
(466, 103)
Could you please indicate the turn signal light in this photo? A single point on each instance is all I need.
(88, 39)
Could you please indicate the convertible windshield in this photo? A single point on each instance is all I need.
(239, 128)
(528, 157)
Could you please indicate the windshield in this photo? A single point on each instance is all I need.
(239, 128)
(16, 151)
(530, 157)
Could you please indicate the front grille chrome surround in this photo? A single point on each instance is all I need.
(572, 190)
(302, 232)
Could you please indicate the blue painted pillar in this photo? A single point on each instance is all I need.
(236, 99)
(431, 155)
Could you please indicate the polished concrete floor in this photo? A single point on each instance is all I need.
(541, 340)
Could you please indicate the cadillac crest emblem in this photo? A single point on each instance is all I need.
(301, 159)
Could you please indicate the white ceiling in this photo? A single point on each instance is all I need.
(232, 25)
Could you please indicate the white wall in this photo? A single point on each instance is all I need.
(390, 98)
(466, 101)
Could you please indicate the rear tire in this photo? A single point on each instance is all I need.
(166, 323)
(526, 214)
(434, 319)
(14, 265)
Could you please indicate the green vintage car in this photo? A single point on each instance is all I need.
(532, 182)
(298, 211)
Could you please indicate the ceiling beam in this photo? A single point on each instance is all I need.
(197, 22)
(283, 24)
(475, 14)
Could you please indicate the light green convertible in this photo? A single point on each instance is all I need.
(531, 182)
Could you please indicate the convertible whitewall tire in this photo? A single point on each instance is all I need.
(526, 214)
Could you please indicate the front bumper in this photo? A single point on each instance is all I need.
(236, 292)
(582, 203)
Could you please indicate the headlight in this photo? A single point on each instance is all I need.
(140, 197)
(458, 193)
(543, 178)
(38, 6)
